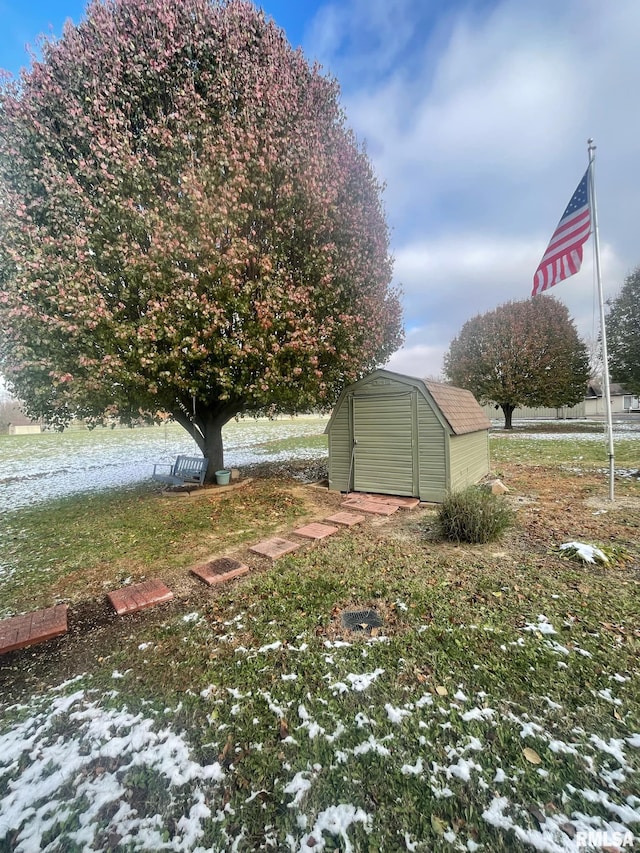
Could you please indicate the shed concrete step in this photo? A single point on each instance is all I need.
(393, 500)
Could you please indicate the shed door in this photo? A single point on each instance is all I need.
(384, 446)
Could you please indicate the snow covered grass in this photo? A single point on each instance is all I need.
(304, 766)
(38, 468)
(496, 710)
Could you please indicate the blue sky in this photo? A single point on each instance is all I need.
(476, 116)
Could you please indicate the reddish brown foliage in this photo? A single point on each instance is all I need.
(186, 214)
(522, 353)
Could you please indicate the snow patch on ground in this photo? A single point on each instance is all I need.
(336, 820)
(79, 751)
(587, 553)
(75, 760)
(542, 626)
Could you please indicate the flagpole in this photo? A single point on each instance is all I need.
(603, 332)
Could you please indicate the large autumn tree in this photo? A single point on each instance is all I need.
(184, 215)
(623, 334)
(524, 353)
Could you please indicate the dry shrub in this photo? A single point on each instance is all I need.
(474, 515)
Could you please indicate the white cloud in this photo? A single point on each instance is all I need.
(418, 360)
(481, 99)
(477, 117)
(447, 282)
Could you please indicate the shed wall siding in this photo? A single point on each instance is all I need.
(469, 458)
(340, 448)
(432, 452)
(381, 387)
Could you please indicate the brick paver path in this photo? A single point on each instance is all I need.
(41, 625)
(128, 599)
(20, 631)
(274, 547)
(364, 504)
(316, 530)
(220, 570)
(348, 519)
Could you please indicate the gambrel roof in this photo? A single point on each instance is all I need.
(460, 408)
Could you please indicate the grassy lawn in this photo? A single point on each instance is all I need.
(577, 454)
(82, 545)
(496, 709)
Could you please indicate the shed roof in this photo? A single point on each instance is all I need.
(459, 407)
(594, 389)
(456, 406)
(20, 419)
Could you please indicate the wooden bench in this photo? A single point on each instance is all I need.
(185, 470)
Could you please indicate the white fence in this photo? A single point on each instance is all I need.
(541, 413)
(588, 408)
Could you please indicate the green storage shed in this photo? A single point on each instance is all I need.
(398, 435)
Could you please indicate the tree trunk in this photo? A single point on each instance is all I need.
(206, 429)
(507, 410)
(212, 446)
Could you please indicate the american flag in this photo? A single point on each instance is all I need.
(563, 257)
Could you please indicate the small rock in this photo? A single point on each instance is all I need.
(497, 487)
(235, 473)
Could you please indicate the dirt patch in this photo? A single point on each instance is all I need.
(95, 631)
(208, 492)
(620, 503)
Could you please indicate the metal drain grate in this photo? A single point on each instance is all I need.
(361, 620)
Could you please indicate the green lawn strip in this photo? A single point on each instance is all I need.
(414, 766)
(117, 533)
(311, 444)
(105, 538)
(572, 453)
